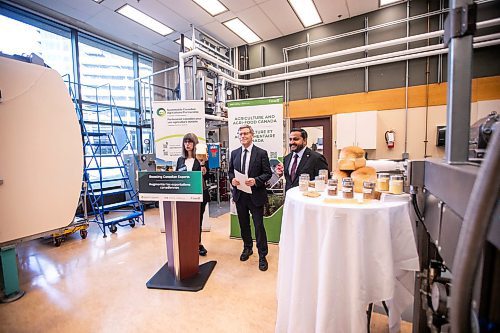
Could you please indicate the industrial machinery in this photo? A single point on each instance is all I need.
(456, 204)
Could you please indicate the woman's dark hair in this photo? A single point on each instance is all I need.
(189, 137)
(303, 132)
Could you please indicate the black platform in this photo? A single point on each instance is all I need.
(165, 279)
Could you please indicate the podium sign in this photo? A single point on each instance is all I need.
(179, 194)
(186, 186)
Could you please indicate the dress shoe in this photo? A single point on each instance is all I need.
(263, 264)
(246, 254)
(202, 250)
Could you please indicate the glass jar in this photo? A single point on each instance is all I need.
(368, 189)
(332, 186)
(303, 182)
(324, 172)
(396, 184)
(319, 183)
(347, 188)
(383, 182)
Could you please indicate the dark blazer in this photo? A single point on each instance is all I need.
(310, 163)
(259, 168)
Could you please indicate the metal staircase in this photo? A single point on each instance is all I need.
(110, 190)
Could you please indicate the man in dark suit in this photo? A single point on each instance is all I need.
(301, 159)
(254, 163)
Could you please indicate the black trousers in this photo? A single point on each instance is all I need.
(244, 207)
(206, 199)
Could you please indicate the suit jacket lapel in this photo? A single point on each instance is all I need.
(237, 161)
(303, 160)
(253, 158)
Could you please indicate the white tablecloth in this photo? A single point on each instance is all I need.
(335, 259)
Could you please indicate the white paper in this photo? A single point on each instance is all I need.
(242, 178)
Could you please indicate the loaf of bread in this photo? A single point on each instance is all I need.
(362, 174)
(351, 158)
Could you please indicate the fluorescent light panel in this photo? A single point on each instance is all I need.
(388, 2)
(188, 43)
(213, 7)
(306, 12)
(143, 19)
(241, 29)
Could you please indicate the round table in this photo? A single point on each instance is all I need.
(336, 258)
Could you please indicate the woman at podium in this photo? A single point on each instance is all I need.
(191, 160)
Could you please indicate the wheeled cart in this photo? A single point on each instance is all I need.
(79, 224)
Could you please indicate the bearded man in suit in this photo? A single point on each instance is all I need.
(300, 160)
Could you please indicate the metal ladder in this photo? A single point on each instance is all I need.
(103, 155)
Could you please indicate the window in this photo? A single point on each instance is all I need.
(106, 73)
(106, 76)
(50, 43)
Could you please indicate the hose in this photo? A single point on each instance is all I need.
(477, 218)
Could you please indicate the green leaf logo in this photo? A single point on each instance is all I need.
(161, 112)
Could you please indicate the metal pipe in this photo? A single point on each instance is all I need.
(366, 53)
(440, 57)
(427, 73)
(407, 74)
(348, 51)
(308, 50)
(472, 237)
(488, 23)
(374, 46)
(458, 93)
(375, 27)
(439, 12)
(341, 66)
(211, 117)
(182, 76)
(156, 73)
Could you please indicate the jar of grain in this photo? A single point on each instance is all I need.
(347, 188)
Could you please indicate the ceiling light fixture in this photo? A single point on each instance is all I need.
(188, 43)
(306, 11)
(242, 30)
(213, 7)
(144, 19)
(383, 3)
(98, 1)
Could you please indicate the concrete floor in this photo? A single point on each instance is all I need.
(99, 285)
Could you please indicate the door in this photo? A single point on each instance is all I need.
(319, 135)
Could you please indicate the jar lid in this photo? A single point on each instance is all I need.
(383, 175)
(347, 181)
(397, 177)
(369, 184)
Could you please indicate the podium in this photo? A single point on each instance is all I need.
(180, 194)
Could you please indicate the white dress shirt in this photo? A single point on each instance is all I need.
(189, 162)
(300, 153)
(247, 162)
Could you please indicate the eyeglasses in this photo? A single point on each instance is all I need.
(244, 133)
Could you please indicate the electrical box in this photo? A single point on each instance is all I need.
(440, 136)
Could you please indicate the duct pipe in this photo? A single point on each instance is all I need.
(374, 46)
(472, 237)
(211, 117)
(155, 73)
(341, 66)
(182, 76)
(487, 23)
